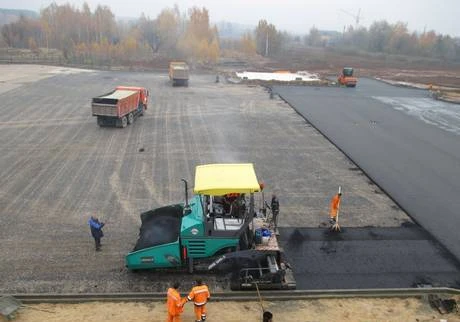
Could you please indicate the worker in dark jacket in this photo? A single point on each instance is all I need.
(275, 208)
(96, 231)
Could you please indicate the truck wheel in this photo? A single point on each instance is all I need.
(142, 110)
(124, 121)
(100, 121)
(130, 118)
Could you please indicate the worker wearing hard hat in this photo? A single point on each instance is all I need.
(200, 296)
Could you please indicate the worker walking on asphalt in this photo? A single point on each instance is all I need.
(174, 303)
(96, 231)
(200, 296)
(334, 211)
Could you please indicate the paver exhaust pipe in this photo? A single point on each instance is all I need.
(187, 209)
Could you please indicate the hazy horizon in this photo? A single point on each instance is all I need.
(291, 15)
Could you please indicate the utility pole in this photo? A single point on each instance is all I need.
(266, 45)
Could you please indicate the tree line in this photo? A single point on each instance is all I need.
(383, 37)
(380, 37)
(96, 37)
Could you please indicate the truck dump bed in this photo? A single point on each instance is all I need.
(116, 103)
(179, 73)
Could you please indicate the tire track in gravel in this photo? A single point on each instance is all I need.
(61, 172)
(184, 112)
(148, 168)
(167, 150)
(170, 166)
(222, 130)
(115, 180)
(158, 172)
(194, 146)
(206, 137)
(103, 148)
(24, 164)
(46, 123)
(48, 108)
(39, 121)
(29, 188)
(134, 162)
(135, 156)
(75, 173)
(8, 106)
(20, 162)
(12, 112)
(138, 163)
(15, 138)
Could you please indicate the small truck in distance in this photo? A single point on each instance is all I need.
(178, 73)
(120, 106)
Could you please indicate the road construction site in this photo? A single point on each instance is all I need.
(59, 168)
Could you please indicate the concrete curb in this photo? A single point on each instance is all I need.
(238, 296)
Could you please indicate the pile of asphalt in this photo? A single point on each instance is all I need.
(159, 226)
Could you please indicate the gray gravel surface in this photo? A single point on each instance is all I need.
(57, 167)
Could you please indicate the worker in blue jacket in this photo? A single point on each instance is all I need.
(96, 231)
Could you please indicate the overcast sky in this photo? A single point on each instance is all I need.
(291, 15)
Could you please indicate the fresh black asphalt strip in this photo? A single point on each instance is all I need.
(359, 258)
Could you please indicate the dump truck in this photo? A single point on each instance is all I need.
(178, 73)
(121, 106)
(346, 78)
(215, 231)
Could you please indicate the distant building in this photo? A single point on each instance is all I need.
(12, 15)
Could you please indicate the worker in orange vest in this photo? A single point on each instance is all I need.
(334, 211)
(200, 296)
(175, 303)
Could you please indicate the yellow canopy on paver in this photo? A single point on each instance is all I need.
(222, 179)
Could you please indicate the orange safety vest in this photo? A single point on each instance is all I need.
(335, 204)
(199, 294)
(175, 304)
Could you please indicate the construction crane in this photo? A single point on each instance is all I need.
(355, 16)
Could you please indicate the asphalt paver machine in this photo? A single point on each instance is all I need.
(216, 230)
